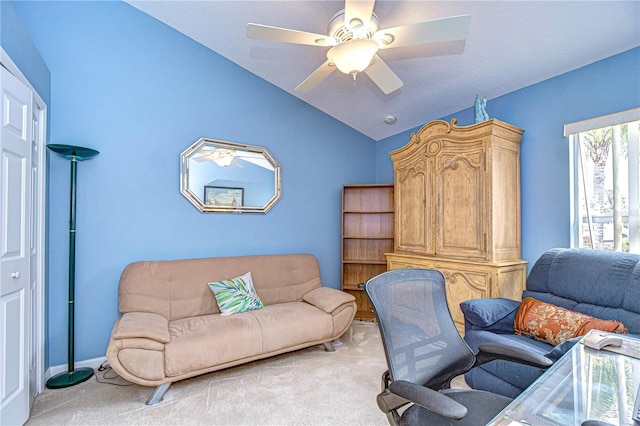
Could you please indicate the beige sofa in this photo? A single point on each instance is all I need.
(171, 327)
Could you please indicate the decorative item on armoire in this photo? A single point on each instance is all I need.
(481, 110)
(72, 376)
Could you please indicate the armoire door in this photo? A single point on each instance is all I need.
(415, 201)
(15, 248)
(461, 188)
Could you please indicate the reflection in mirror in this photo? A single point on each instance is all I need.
(218, 176)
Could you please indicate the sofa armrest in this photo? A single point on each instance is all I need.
(561, 349)
(493, 314)
(142, 325)
(327, 299)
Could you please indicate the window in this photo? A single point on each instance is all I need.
(605, 180)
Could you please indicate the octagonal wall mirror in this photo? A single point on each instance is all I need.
(228, 177)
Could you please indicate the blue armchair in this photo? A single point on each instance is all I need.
(601, 284)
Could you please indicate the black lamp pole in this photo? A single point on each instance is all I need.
(72, 376)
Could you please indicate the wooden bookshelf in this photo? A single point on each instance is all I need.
(367, 234)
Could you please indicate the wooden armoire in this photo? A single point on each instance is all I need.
(457, 209)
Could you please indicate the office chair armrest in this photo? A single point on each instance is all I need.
(429, 399)
(491, 351)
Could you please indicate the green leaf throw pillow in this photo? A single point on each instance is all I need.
(236, 295)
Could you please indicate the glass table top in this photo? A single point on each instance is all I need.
(585, 384)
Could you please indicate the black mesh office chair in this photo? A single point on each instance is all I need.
(425, 352)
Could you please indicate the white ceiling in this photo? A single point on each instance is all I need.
(511, 45)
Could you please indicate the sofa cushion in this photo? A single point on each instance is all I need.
(554, 324)
(236, 295)
(292, 325)
(478, 378)
(484, 313)
(195, 345)
(177, 289)
(568, 277)
(506, 377)
(515, 374)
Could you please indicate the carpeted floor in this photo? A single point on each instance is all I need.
(306, 387)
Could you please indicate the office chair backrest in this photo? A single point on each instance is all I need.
(421, 342)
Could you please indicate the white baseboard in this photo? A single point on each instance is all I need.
(57, 369)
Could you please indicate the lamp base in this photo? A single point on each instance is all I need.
(64, 380)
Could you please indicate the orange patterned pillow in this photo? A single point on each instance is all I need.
(553, 324)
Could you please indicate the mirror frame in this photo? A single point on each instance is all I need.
(195, 199)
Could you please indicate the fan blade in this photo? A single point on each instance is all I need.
(316, 77)
(357, 12)
(202, 159)
(383, 76)
(265, 32)
(434, 31)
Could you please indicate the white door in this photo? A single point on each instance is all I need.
(36, 255)
(15, 240)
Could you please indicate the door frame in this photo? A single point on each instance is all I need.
(40, 229)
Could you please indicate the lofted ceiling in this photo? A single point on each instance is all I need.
(511, 45)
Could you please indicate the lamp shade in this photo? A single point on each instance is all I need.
(353, 56)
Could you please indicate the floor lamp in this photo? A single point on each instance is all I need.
(72, 376)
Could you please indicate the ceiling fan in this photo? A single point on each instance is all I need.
(355, 38)
(224, 157)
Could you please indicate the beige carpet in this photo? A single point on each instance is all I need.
(306, 387)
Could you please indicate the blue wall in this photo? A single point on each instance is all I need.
(17, 43)
(141, 93)
(542, 110)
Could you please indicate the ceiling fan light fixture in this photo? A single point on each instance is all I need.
(221, 156)
(353, 56)
(223, 161)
